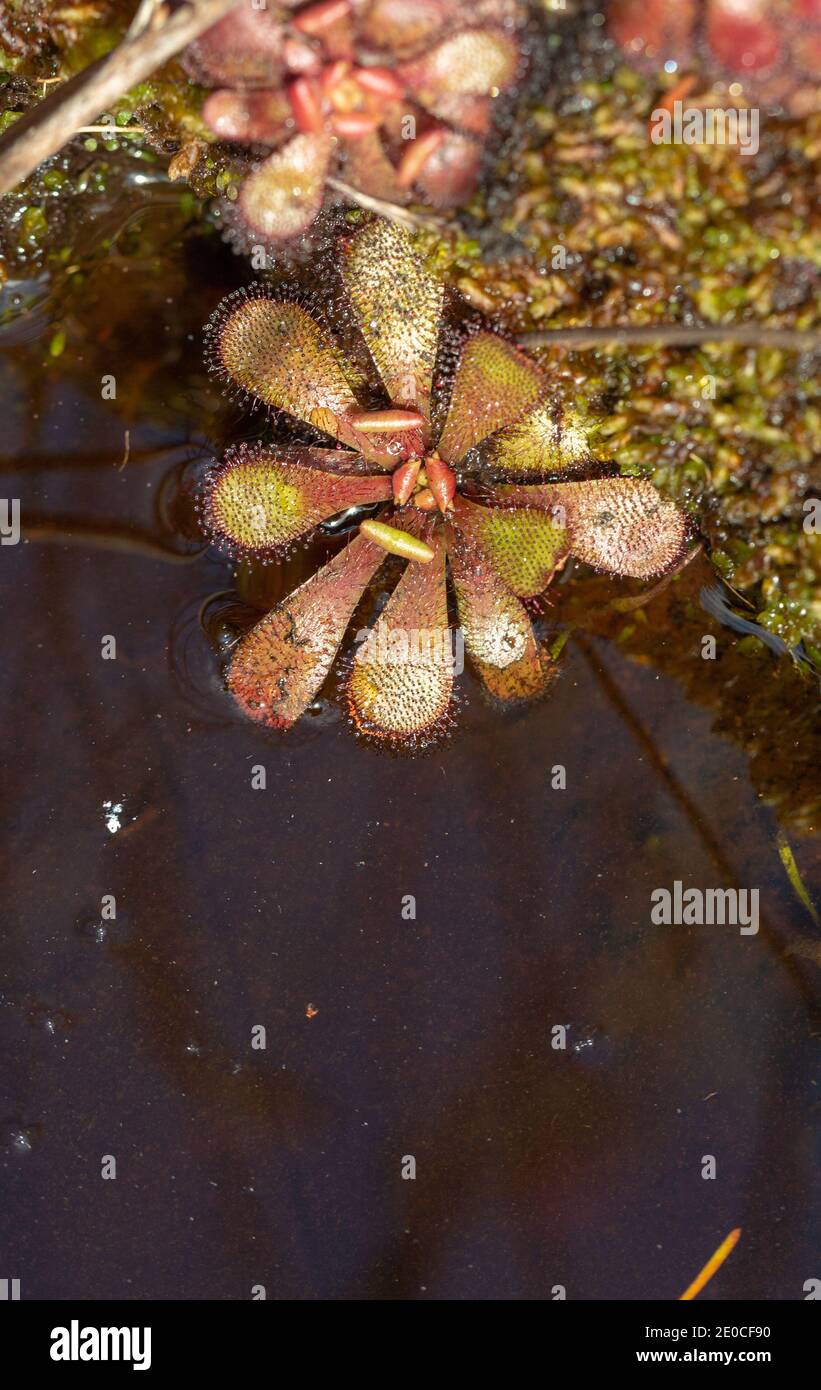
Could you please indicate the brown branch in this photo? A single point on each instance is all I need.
(44, 130)
(676, 335)
(392, 211)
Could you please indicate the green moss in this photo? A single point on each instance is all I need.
(654, 233)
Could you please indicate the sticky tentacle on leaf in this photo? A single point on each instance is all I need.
(473, 62)
(244, 50)
(619, 525)
(261, 116)
(555, 437)
(498, 633)
(259, 502)
(367, 167)
(280, 664)
(401, 679)
(524, 544)
(466, 112)
(399, 27)
(274, 350)
(283, 195)
(398, 306)
(493, 386)
(448, 175)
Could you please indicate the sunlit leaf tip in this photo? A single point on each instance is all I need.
(622, 526)
(273, 349)
(494, 384)
(280, 664)
(398, 306)
(400, 683)
(525, 545)
(258, 502)
(497, 630)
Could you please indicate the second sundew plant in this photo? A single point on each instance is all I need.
(397, 99)
(471, 467)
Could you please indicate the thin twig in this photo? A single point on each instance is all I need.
(392, 211)
(44, 130)
(675, 335)
(144, 17)
(110, 130)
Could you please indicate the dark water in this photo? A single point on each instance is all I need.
(235, 908)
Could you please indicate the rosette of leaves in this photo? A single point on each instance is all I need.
(395, 98)
(468, 464)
